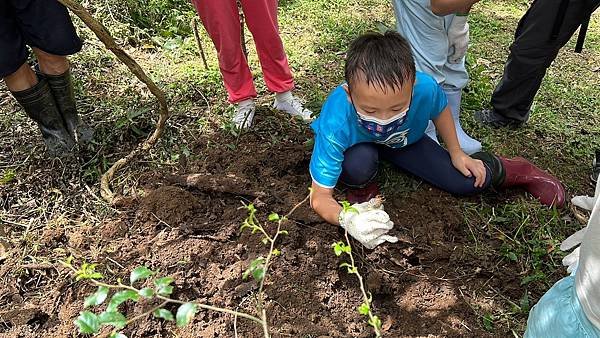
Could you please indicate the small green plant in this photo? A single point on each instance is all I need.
(259, 267)
(89, 322)
(341, 248)
(8, 176)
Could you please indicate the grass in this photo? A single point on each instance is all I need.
(561, 135)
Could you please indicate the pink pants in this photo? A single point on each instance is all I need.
(221, 20)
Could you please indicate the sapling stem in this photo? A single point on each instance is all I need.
(260, 305)
(373, 320)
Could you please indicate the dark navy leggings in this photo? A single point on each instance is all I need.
(425, 159)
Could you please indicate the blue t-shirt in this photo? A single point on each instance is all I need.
(337, 127)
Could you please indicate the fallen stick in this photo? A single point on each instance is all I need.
(207, 182)
(104, 36)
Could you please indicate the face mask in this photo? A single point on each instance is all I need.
(382, 128)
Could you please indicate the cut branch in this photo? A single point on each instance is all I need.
(103, 34)
(226, 184)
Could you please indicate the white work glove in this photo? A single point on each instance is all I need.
(571, 261)
(458, 39)
(369, 224)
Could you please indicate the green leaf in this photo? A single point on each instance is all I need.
(256, 268)
(87, 322)
(146, 292)
(284, 232)
(140, 273)
(512, 256)
(265, 241)
(532, 278)
(337, 248)
(375, 322)
(163, 287)
(524, 303)
(117, 335)
(8, 176)
(488, 322)
(273, 217)
(115, 319)
(120, 297)
(363, 309)
(276, 252)
(351, 269)
(164, 314)
(185, 313)
(97, 297)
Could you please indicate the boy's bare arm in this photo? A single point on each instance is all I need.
(323, 203)
(445, 7)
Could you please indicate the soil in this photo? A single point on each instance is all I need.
(424, 285)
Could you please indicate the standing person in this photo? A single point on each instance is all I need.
(380, 113)
(541, 33)
(222, 22)
(571, 308)
(47, 95)
(439, 46)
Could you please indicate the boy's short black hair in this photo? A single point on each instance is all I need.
(384, 60)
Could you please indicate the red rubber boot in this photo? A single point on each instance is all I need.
(521, 173)
(361, 195)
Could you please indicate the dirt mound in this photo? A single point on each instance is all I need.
(420, 286)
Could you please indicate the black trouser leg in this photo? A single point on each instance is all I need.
(533, 51)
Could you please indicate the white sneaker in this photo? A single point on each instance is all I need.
(244, 114)
(294, 107)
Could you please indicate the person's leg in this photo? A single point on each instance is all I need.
(51, 64)
(429, 161)
(531, 54)
(23, 78)
(358, 171)
(48, 29)
(426, 33)
(33, 94)
(222, 22)
(261, 18)
(468, 144)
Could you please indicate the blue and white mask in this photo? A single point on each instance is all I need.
(382, 128)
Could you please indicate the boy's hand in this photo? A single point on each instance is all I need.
(469, 167)
(368, 224)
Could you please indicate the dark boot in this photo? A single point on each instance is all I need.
(360, 195)
(62, 89)
(39, 105)
(518, 172)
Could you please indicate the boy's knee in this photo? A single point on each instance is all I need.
(360, 165)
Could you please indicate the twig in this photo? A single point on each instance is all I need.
(104, 36)
(199, 42)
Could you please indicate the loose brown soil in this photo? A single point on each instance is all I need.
(427, 284)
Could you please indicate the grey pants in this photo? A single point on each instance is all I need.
(538, 38)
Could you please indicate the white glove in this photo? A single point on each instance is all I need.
(571, 261)
(369, 224)
(458, 39)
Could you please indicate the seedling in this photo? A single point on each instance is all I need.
(341, 248)
(259, 267)
(89, 322)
